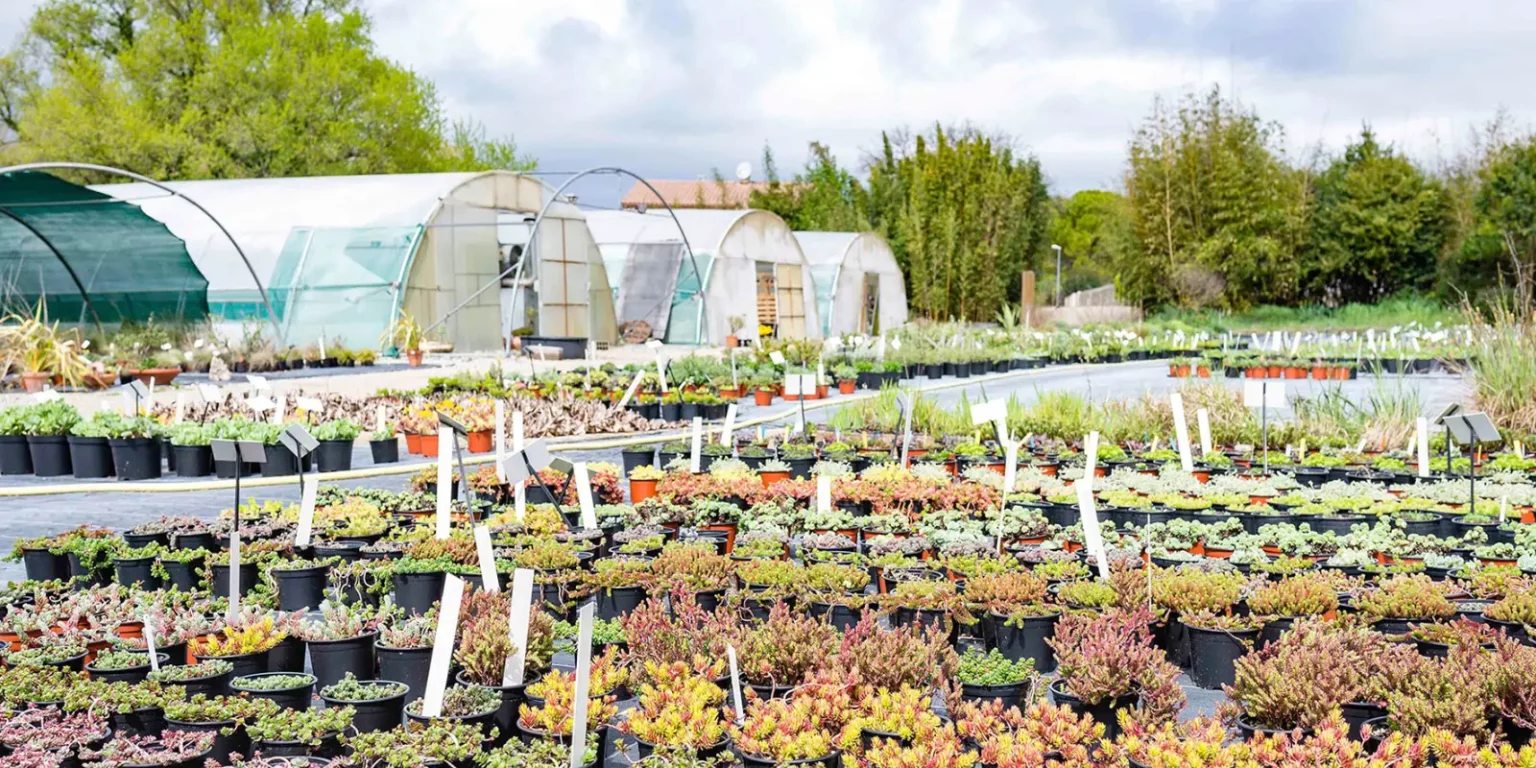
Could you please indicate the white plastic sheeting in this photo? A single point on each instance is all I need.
(846, 265)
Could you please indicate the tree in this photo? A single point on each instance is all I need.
(1378, 225)
(823, 198)
(964, 216)
(1093, 228)
(226, 89)
(1503, 241)
(1212, 196)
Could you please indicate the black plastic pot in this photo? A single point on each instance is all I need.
(287, 656)
(830, 761)
(1274, 628)
(1027, 641)
(182, 576)
(618, 602)
(220, 586)
(512, 697)
(85, 578)
(373, 716)
(1214, 652)
(198, 540)
(281, 462)
(15, 456)
(330, 746)
(1009, 694)
(406, 665)
(332, 660)
(212, 685)
(129, 675)
(292, 697)
(42, 565)
(193, 460)
(483, 720)
(135, 458)
(637, 457)
(50, 455)
(647, 749)
(301, 589)
(244, 664)
(223, 746)
(1105, 712)
(334, 455)
(417, 592)
(138, 571)
(800, 469)
(90, 457)
(385, 451)
(140, 722)
(138, 540)
(840, 616)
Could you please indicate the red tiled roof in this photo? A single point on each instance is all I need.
(703, 193)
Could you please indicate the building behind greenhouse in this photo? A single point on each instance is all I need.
(749, 266)
(341, 256)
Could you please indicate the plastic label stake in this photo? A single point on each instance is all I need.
(629, 394)
(583, 687)
(1090, 457)
(1203, 418)
(517, 627)
(824, 494)
(1421, 443)
(520, 493)
(1093, 536)
(149, 645)
(234, 573)
(730, 655)
(442, 646)
(584, 495)
(445, 438)
(379, 420)
(306, 510)
(501, 440)
(1181, 431)
(487, 557)
(729, 426)
(698, 446)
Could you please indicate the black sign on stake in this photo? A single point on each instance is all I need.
(241, 452)
(137, 392)
(300, 443)
(525, 465)
(1471, 430)
(445, 421)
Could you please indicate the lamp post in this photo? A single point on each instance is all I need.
(1057, 249)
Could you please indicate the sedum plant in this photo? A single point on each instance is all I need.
(680, 709)
(782, 731)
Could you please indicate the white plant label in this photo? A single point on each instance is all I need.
(730, 655)
(661, 372)
(47, 396)
(729, 426)
(1090, 458)
(310, 404)
(1503, 509)
(520, 493)
(583, 686)
(306, 510)
(380, 421)
(777, 357)
(442, 646)
(821, 373)
(487, 557)
(1010, 468)
(444, 480)
(1421, 443)
(791, 385)
(517, 626)
(501, 440)
(277, 410)
(210, 393)
(995, 411)
(258, 383)
(181, 409)
(1093, 536)
(696, 450)
(1181, 431)
(1203, 418)
(824, 494)
(584, 495)
(629, 394)
(234, 573)
(149, 645)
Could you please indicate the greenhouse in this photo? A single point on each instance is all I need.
(339, 257)
(738, 253)
(859, 287)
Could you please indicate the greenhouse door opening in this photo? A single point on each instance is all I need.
(791, 301)
(767, 299)
(869, 320)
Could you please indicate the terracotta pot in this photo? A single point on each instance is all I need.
(481, 442)
(640, 490)
(1274, 372)
(429, 446)
(769, 478)
(763, 397)
(846, 387)
(791, 398)
(1341, 374)
(1202, 475)
(412, 443)
(413, 356)
(731, 342)
(34, 382)
(1203, 372)
(729, 393)
(157, 376)
(99, 380)
(1296, 373)
(1319, 372)
(821, 391)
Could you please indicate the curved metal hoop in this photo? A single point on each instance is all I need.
(533, 232)
(271, 313)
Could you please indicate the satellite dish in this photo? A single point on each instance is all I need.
(744, 171)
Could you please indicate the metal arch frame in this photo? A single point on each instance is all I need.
(86, 297)
(271, 313)
(533, 232)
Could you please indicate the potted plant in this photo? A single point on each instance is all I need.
(1105, 664)
(287, 690)
(245, 647)
(190, 447)
(341, 642)
(384, 445)
(89, 455)
(404, 648)
(1216, 642)
(48, 732)
(485, 646)
(378, 705)
(679, 711)
(297, 733)
(172, 749)
(735, 324)
(47, 427)
(15, 456)
(210, 676)
(122, 666)
(223, 716)
(779, 732)
(468, 704)
(336, 438)
(776, 655)
(405, 334)
(642, 482)
(988, 676)
(436, 744)
(847, 379)
(135, 447)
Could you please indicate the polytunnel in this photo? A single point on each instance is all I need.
(341, 256)
(859, 287)
(750, 267)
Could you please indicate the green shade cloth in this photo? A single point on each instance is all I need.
(129, 265)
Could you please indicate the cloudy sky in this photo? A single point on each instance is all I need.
(675, 88)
